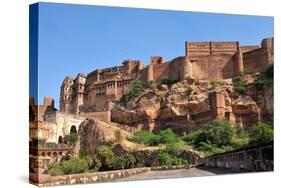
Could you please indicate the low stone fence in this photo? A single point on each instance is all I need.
(106, 176)
(251, 158)
(88, 177)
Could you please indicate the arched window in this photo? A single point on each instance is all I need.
(73, 130)
(60, 141)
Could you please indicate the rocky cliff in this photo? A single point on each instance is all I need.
(94, 133)
(189, 104)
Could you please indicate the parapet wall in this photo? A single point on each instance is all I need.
(211, 67)
(257, 60)
(252, 158)
(86, 177)
(209, 48)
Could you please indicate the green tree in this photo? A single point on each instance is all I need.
(168, 80)
(136, 88)
(241, 87)
(261, 133)
(107, 157)
(75, 166)
(55, 170)
(265, 79)
(218, 136)
(71, 138)
(167, 136)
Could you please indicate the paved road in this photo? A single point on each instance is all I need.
(179, 173)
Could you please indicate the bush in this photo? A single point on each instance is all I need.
(261, 133)
(136, 88)
(71, 138)
(124, 162)
(151, 85)
(214, 84)
(55, 170)
(240, 87)
(75, 166)
(168, 80)
(265, 79)
(269, 72)
(107, 157)
(167, 136)
(217, 136)
(93, 162)
(163, 137)
(146, 138)
(171, 156)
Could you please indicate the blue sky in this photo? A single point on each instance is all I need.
(81, 38)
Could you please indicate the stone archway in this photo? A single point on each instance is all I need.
(73, 129)
(60, 140)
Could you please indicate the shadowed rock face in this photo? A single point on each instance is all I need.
(185, 111)
(89, 137)
(94, 133)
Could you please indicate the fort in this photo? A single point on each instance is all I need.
(89, 111)
(93, 93)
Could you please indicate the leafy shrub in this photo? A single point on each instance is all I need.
(93, 162)
(124, 162)
(167, 136)
(265, 79)
(55, 170)
(217, 136)
(107, 157)
(269, 72)
(214, 84)
(168, 80)
(131, 161)
(146, 138)
(71, 138)
(240, 87)
(261, 82)
(171, 156)
(75, 166)
(261, 133)
(136, 88)
(151, 85)
(163, 137)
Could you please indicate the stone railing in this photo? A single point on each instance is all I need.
(251, 158)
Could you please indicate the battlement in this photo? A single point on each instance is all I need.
(157, 60)
(212, 47)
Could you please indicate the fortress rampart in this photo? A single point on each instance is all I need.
(202, 60)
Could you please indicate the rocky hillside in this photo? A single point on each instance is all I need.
(94, 133)
(187, 105)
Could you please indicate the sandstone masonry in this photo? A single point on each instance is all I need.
(92, 94)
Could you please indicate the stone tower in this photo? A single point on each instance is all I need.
(78, 93)
(66, 94)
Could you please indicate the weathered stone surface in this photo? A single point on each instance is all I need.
(187, 111)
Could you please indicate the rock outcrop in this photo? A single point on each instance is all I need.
(189, 104)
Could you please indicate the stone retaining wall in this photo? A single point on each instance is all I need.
(88, 177)
(106, 176)
(252, 158)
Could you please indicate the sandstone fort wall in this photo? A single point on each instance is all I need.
(203, 60)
